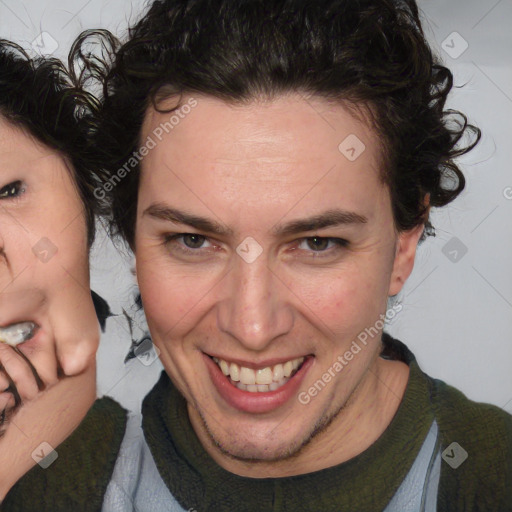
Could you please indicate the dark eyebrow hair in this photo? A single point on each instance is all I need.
(163, 212)
(326, 219)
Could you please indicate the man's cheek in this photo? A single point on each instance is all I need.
(168, 305)
(332, 299)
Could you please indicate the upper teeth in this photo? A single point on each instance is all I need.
(17, 333)
(264, 376)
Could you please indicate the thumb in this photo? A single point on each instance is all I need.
(77, 356)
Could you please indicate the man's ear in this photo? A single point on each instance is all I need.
(404, 258)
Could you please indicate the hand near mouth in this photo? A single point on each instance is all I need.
(19, 380)
(34, 336)
(41, 399)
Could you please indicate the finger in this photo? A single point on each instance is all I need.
(12, 390)
(8, 408)
(17, 370)
(7, 401)
(76, 350)
(39, 355)
(77, 332)
(4, 382)
(40, 384)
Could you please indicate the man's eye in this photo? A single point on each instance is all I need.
(11, 190)
(321, 244)
(187, 242)
(193, 241)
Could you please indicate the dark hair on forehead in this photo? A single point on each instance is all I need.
(43, 98)
(369, 53)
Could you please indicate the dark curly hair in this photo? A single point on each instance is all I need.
(368, 53)
(49, 102)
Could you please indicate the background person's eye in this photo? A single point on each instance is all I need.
(11, 190)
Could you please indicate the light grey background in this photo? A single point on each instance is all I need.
(457, 308)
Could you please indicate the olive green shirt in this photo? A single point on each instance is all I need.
(78, 479)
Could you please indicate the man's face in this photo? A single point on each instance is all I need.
(261, 246)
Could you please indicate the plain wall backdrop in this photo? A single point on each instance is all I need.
(457, 304)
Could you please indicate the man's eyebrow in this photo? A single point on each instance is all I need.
(163, 212)
(323, 220)
(326, 219)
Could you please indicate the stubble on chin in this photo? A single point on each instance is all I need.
(246, 452)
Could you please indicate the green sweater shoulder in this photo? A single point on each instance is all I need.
(78, 478)
(483, 480)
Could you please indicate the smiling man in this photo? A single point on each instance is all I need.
(273, 164)
(256, 328)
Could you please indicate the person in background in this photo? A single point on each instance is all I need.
(48, 324)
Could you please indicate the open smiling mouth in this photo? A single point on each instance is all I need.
(257, 390)
(262, 380)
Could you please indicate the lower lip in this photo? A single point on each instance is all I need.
(256, 402)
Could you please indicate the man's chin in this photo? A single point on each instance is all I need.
(245, 451)
(265, 445)
(245, 445)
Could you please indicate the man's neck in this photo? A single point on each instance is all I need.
(357, 426)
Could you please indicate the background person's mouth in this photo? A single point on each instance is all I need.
(17, 333)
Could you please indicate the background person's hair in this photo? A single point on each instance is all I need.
(369, 54)
(42, 98)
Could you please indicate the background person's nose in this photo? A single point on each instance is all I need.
(254, 309)
(7, 274)
(9, 251)
(19, 261)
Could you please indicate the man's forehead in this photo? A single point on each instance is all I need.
(284, 130)
(287, 106)
(242, 166)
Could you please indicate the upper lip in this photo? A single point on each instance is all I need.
(256, 365)
(22, 320)
(4, 325)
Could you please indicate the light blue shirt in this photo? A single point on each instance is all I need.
(136, 484)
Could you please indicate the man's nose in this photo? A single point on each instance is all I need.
(255, 308)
